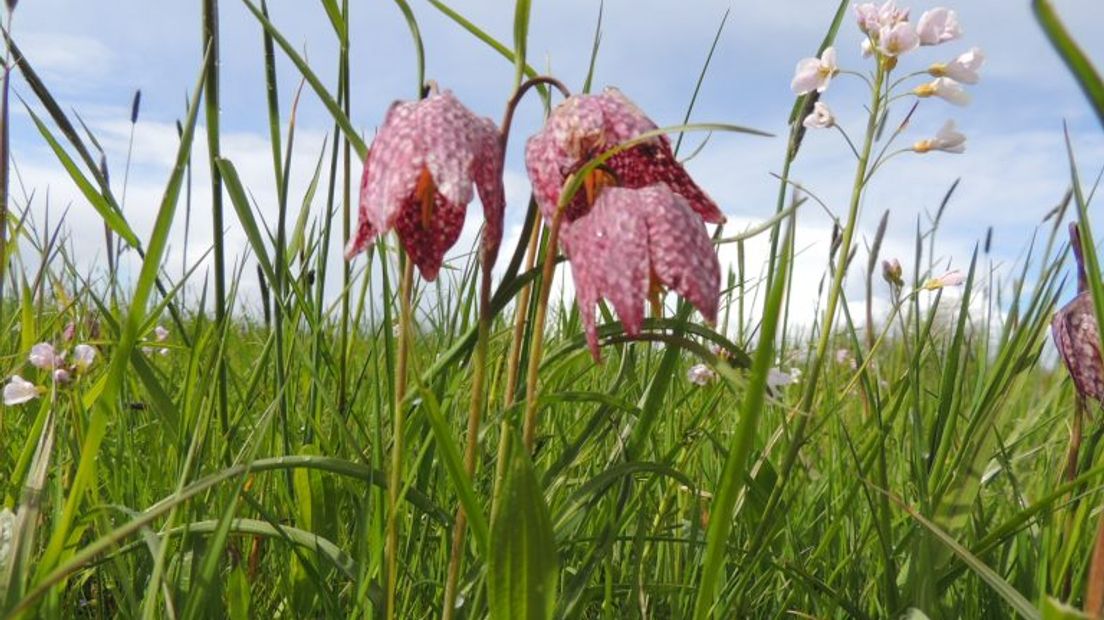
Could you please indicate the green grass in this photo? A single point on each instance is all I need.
(246, 473)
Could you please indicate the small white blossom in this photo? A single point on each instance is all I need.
(947, 139)
(937, 26)
(867, 48)
(815, 73)
(951, 278)
(160, 333)
(18, 390)
(776, 378)
(43, 356)
(897, 39)
(820, 118)
(83, 356)
(962, 69)
(945, 88)
(700, 374)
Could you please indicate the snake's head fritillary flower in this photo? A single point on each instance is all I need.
(83, 357)
(815, 73)
(418, 179)
(1077, 335)
(43, 356)
(962, 69)
(953, 277)
(631, 244)
(820, 118)
(891, 272)
(700, 374)
(947, 139)
(584, 126)
(938, 25)
(945, 88)
(18, 391)
(897, 39)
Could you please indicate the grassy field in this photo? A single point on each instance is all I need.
(310, 460)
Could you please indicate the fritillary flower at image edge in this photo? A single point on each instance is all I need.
(418, 179)
(638, 223)
(1077, 336)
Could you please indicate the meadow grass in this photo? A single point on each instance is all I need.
(248, 466)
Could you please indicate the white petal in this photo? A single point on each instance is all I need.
(18, 390)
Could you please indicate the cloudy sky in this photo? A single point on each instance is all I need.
(93, 55)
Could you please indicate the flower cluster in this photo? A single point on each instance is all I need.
(44, 357)
(634, 228)
(889, 35)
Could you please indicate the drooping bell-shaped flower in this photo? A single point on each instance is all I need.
(637, 224)
(1077, 335)
(584, 126)
(418, 179)
(632, 243)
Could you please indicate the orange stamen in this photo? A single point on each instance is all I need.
(426, 193)
(595, 182)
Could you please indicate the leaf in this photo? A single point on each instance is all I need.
(523, 568)
(1075, 59)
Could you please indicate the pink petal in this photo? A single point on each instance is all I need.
(365, 234)
(488, 180)
(1076, 336)
(654, 162)
(452, 138)
(392, 167)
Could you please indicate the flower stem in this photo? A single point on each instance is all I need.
(834, 292)
(537, 339)
(395, 482)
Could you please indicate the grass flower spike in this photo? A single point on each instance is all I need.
(418, 179)
(815, 73)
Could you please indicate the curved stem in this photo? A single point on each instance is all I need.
(846, 137)
(512, 104)
(394, 486)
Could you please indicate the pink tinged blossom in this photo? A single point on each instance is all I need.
(938, 25)
(820, 118)
(897, 39)
(18, 391)
(962, 69)
(700, 374)
(953, 277)
(83, 357)
(62, 376)
(815, 73)
(418, 179)
(867, 16)
(69, 332)
(631, 243)
(948, 140)
(584, 126)
(867, 48)
(945, 88)
(43, 356)
(160, 333)
(776, 378)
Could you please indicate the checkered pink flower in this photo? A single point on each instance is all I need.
(631, 243)
(1077, 336)
(418, 179)
(638, 223)
(584, 126)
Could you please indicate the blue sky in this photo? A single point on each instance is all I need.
(93, 56)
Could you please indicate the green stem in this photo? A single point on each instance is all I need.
(394, 486)
(817, 363)
(537, 338)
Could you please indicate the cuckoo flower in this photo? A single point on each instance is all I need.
(820, 118)
(963, 69)
(1077, 336)
(938, 25)
(418, 179)
(636, 225)
(815, 73)
(43, 356)
(947, 139)
(18, 391)
(945, 88)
